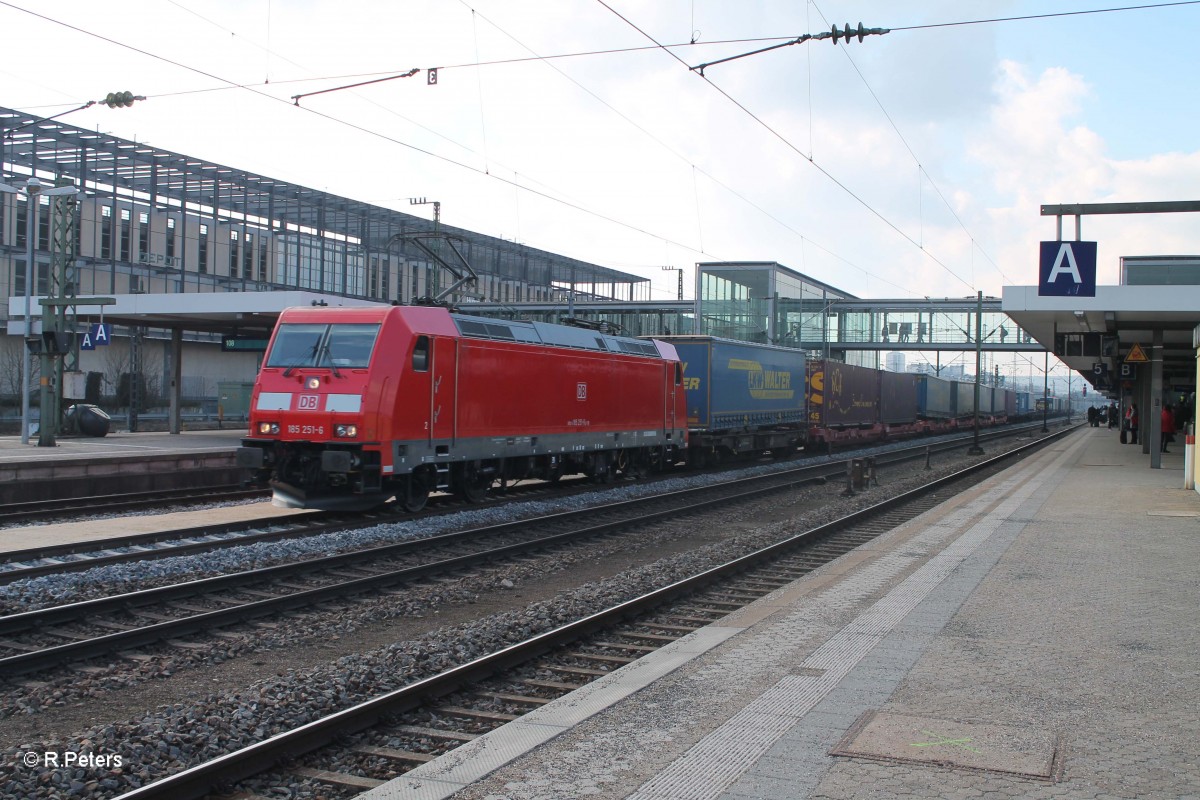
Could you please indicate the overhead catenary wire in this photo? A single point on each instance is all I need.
(445, 159)
(791, 146)
(920, 167)
(659, 46)
(1027, 17)
(693, 167)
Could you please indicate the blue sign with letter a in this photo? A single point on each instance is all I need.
(101, 334)
(1067, 269)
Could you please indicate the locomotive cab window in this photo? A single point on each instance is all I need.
(420, 358)
(350, 345)
(323, 345)
(678, 374)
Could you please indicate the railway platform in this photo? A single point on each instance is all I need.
(1035, 636)
(119, 462)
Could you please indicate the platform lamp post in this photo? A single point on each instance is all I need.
(33, 193)
(1046, 391)
(1069, 371)
(975, 449)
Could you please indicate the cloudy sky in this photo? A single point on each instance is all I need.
(909, 164)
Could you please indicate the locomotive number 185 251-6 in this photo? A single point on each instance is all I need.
(307, 430)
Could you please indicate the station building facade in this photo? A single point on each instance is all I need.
(147, 220)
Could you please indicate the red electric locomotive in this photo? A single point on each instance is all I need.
(356, 405)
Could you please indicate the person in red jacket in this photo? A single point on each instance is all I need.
(1168, 427)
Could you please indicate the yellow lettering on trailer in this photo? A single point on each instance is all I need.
(764, 384)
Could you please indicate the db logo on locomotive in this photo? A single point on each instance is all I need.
(308, 402)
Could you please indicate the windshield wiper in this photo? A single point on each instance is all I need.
(329, 356)
(309, 359)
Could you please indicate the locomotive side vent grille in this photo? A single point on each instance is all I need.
(641, 348)
(553, 335)
(500, 332)
(472, 328)
(485, 330)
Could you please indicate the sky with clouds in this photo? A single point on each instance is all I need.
(910, 164)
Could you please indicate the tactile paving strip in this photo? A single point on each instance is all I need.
(718, 759)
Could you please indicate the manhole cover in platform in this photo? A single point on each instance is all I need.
(969, 745)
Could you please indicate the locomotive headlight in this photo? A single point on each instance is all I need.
(345, 431)
(268, 427)
(312, 383)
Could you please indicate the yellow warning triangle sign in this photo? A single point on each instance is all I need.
(1136, 355)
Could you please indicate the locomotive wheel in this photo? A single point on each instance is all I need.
(554, 472)
(633, 465)
(415, 493)
(475, 486)
(602, 469)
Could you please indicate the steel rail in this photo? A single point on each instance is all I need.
(199, 780)
(314, 525)
(14, 513)
(745, 489)
(15, 623)
(308, 524)
(688, 500)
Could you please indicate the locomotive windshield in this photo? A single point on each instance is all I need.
(346, 345)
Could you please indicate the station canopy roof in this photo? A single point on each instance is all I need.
(214, 312)
(1123, 315)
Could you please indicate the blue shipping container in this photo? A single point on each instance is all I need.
(935, 398)
(740, 385)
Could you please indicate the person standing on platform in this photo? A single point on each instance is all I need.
(1168, 427)
(1112, 416)
(1133, 423)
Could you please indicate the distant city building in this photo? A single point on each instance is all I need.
(894, 362)
(949, 371)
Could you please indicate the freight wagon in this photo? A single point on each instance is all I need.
(742, 398)
(935, 398)
(850, 404)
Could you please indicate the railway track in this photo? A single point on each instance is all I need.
(360, 746)
(60, 635)
(79, 556)
(66, 634)
(37, 510)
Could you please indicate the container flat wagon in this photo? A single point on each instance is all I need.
(742, 398)
(935, 398)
